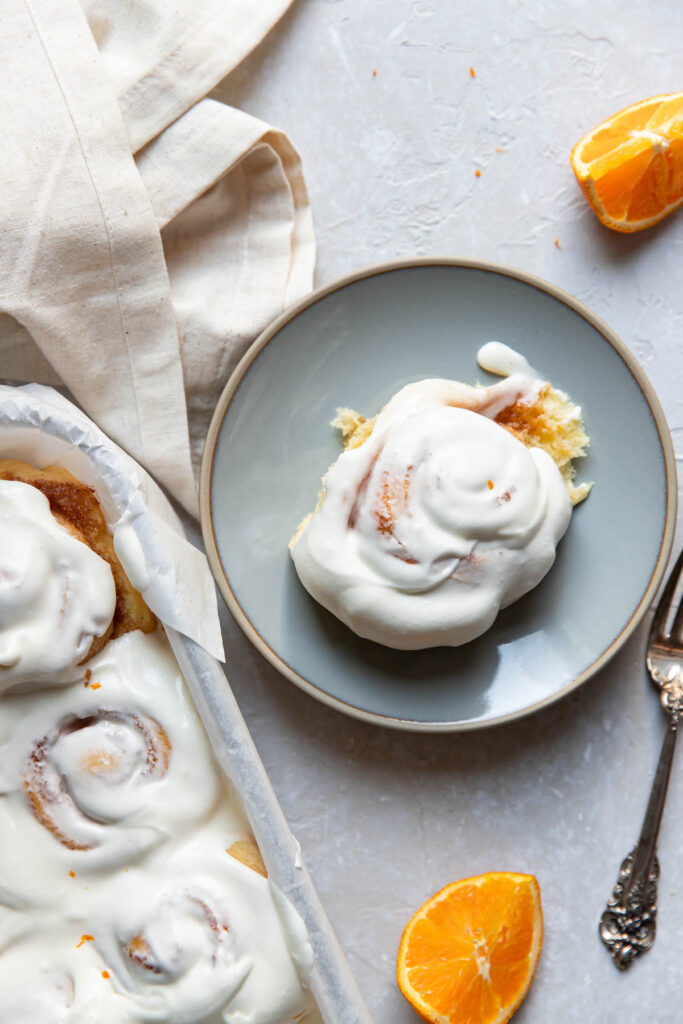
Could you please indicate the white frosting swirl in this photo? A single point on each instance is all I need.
(56, 594)
(195, 934)
(440, 518)
(46, 979)
(121, 898)
(116, 823)
(111, 767)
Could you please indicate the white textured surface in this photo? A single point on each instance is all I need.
(384, 818)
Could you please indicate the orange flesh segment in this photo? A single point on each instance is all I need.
(469, 955)
(630, 167)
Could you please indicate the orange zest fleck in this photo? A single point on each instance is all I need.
(95, 686)
(473, 73)
(490, 485)
(477, 173)
(85, 938)
(72, 874)
(557, 244)
(499, 149)
(105, 974)
(374, 73)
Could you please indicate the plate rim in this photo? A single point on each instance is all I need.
(375, 270)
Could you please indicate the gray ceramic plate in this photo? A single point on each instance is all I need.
(355, 343)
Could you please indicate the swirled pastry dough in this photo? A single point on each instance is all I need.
(437, 514)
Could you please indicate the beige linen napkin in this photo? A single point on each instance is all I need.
(148, 234)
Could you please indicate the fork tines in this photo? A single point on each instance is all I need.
(658, 634)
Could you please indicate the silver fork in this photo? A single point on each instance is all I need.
(628, 923)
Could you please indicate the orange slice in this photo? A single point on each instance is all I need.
(468, 956)
(631, 166)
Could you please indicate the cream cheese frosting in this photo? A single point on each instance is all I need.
(197, 933)
(112, 766)
(56, 594)
(46, 979)
(118, 895)
(437, 520)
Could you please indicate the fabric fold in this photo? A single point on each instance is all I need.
(238, 239)
(139, 283)
(81, 266)
(161, 57)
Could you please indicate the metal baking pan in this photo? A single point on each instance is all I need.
(37, 424)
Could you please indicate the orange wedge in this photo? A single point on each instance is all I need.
(468, 956)
(631, 166)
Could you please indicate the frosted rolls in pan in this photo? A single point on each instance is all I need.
(56, 931)
(117, 824)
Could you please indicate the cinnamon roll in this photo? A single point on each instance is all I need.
(63, 591)
(101, 772)
(442, 509)
(80, 776)
(131, 887)
(198, 935)
(46, 979)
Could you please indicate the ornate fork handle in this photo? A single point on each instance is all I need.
(628, 923)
